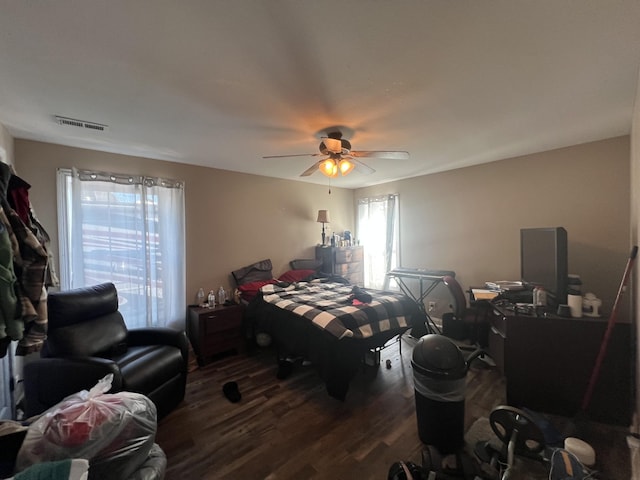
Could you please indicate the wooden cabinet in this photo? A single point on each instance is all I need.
(548, 360)
(348, 262)
(214, 330)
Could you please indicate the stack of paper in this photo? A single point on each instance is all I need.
(502, 285)
(484, 294)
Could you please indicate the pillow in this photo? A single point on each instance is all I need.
(296, 275)
(250, 290)
(306, 264)
(256, 271)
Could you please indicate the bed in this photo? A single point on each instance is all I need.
(325, 320)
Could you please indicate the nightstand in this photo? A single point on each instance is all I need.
(215, 330)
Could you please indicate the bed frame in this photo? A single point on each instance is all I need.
(337, 360)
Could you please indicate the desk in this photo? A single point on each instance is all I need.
(427, 281)
(547, 363)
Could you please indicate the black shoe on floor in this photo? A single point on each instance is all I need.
(231, 391)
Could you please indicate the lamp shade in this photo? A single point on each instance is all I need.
(323, 216)
(345, 166)
(329, 167)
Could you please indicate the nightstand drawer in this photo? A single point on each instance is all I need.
(222, 341)
(219, 322)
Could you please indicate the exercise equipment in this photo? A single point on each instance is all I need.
(521, 435)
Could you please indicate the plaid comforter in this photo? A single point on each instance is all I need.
(329, 307)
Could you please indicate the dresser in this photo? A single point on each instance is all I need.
(213, 331)
(348, 262)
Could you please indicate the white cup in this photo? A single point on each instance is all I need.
(575, 304)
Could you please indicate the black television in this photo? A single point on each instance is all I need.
(543, 261)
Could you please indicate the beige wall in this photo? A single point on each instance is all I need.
(469, 220)
(466, 220)
(6, 146)
(232, 219)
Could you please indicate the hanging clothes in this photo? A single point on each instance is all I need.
(18, 197)
(11, 326)
(31, 262)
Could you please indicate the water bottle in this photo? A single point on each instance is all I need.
(540, 297)
(212, 299)
(200, 297)
(222, 296)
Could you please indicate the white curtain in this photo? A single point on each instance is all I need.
(378, 232)
(6, 400)
(128, 230)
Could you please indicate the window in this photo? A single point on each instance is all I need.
(128, 230)
(378, 232)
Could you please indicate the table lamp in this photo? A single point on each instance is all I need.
(323, 217)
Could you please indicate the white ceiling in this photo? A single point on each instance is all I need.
(221, 83)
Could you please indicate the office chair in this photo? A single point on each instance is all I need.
(466, 322)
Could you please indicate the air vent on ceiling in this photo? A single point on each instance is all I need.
(73, 122)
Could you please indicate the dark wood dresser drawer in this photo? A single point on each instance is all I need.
(498, 322)
(349, 254)
(345, 269)
(220, 321)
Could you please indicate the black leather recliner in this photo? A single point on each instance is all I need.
(88, 339)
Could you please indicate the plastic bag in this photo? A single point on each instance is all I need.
(115, 432)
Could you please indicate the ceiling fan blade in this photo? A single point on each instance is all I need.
(362, 167)
(294, 155)
(398, 155)
(312, 169)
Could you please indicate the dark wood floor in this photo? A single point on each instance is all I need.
(291, 429)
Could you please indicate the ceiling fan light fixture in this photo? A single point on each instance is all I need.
(329, 167)
(332, 144)
(345, 166)
(338, 158)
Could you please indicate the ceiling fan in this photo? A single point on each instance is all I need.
(339, 158)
